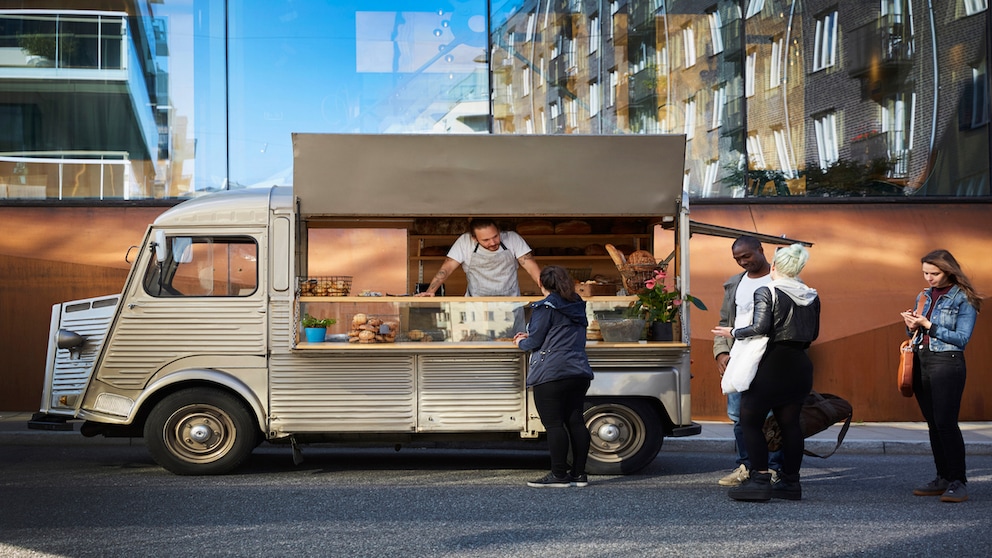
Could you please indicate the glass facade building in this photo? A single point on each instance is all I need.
(160, 99)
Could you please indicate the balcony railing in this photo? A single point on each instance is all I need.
(69, 176)
(63, 39)
(885, 46)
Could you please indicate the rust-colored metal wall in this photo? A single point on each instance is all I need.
(865, 263)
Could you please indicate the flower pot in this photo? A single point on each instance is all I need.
(622, 331)
(315, 334)
(661, 331)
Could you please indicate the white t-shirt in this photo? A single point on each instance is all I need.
(461, 251)
(744, 298)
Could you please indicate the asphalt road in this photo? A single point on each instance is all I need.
(81, 501)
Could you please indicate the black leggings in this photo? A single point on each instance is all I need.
(938, 382)
(559, 404)
(784, 378)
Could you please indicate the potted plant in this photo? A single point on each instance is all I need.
(316, 328)
(658, 305)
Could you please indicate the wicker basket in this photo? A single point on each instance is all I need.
(636, 275)
(336, 285)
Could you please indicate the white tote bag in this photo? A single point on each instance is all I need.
(745, 354)
(744, 358)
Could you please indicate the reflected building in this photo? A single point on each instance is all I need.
(85, 103)
(814, 98)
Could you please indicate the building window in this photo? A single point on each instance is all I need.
(754, 152)
(750, 73)
(689, 46)
(775, 63)
(614, 10)
(594, 35)
(594, 98)
(716, 38)
(979, 95)
(528, 125)
(543, 121)
(531, 24)
(972, 7)
(571, 112)
(897, 124)
(825, 42)
(709, 180)
(719, 103)
(782, 147)
(826, 139)
(754, 8)
(690, 118)
(543, 70)
(528, 72)
(555, 111)
(614, 84)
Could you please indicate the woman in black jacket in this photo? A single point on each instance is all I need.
(788, 312)
(560, 375)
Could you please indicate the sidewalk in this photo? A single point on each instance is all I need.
(865, 438)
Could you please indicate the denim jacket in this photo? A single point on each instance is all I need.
(953, 320)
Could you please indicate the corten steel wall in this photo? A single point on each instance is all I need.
(865, 263)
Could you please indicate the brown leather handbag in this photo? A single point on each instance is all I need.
(905, 372)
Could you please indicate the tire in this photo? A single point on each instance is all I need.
(225, 428)
(626, 436)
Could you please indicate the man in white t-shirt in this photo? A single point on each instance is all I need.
(490, 259)
(738, 304)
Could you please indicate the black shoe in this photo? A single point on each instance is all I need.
(757, 488)
(787, 488)
(955, 493)
(551, 481)
(580, 480)
(936, 487)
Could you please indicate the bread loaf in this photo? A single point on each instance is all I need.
(641, 257)
(535, 226)
(573, 227)
(595, 250)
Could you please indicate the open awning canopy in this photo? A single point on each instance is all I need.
(418, 175)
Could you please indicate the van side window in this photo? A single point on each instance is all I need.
(196, 266)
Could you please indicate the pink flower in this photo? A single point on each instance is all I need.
(649, 283)
(677, 302)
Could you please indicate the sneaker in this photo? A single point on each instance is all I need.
(757, 488)
(956, 492)
(936, 487)
(776, 476)
(787, 487)
(580, 480)
(551, 481)
(736, 477)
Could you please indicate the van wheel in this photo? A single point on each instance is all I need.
(200, 431)
(626, 436)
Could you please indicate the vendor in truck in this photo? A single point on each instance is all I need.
(490, 258)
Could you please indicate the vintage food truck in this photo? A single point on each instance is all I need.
(203, 352)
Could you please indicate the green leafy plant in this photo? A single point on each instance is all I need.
(310, 321)
(656, 303)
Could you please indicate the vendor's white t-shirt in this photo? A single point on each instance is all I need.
(461, 251)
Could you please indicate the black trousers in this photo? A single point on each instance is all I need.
(559, 404)
(784, 378)
(938, 382)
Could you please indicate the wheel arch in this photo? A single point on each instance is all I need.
(199, 378)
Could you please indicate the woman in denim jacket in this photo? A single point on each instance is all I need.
(940, 332)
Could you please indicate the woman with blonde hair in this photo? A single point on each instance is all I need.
(788, 312)
(940, 331)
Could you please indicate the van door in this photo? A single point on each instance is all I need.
(195, 300)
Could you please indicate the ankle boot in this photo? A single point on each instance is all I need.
(787, 487)
(757, 488)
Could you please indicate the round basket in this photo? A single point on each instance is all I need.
(636, 275)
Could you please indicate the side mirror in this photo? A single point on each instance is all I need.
(161, 249)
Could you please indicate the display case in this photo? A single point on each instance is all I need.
(436, 322)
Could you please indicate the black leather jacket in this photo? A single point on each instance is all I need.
(787, 322)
